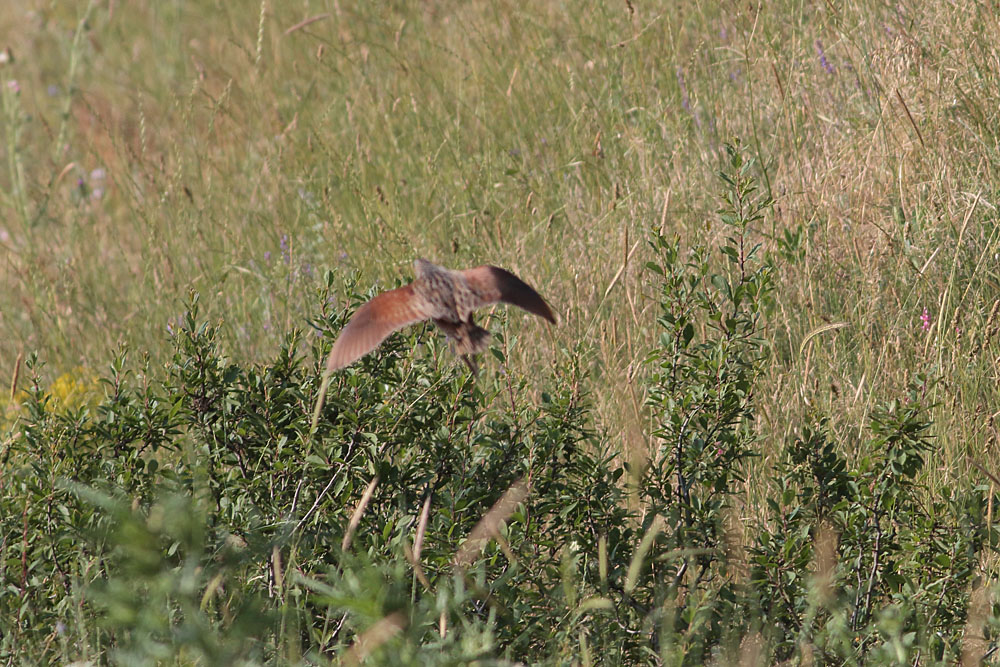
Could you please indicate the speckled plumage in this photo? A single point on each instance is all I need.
(445, 296)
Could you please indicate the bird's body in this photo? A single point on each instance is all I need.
(447, 297)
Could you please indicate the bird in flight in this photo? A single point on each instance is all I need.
(446, 297)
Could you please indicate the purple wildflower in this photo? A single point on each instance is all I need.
(685, 100)
(925, 319)
(285, 253)
(267, 255)
(822, 58)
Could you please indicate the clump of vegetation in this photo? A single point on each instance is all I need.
(193, 514)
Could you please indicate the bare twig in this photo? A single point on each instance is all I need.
(912, 122)
(975, 464)
(319, 499)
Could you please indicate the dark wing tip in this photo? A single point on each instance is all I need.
(515, 291)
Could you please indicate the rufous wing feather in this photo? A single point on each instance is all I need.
(492, 284)
(373, 322)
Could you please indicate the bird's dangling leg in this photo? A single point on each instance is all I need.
(470, 361)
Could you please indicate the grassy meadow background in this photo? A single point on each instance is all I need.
(241, 150)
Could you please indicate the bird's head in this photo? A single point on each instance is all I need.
(422, 267)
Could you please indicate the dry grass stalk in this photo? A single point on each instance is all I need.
(305, 22)
(752, 650)
(489, 525)
(418, 541)
(378, 634)
(825, 564)
(413, 556)
(358, 513)
(417, 567)
(277, 576)
(974, 643)
(16, 375)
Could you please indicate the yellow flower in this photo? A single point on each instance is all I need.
(74, 389)
(70, 391)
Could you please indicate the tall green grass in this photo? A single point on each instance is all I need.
(155, 148)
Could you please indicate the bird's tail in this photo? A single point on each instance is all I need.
(468, 338)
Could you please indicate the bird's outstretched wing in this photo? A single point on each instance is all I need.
(373, 322)
(491, 284)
